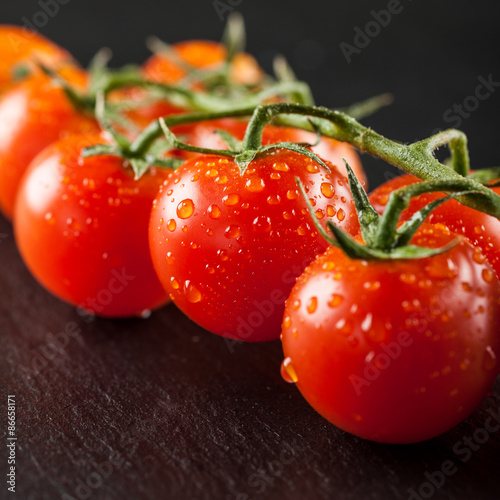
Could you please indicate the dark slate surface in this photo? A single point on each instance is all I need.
(160, 409)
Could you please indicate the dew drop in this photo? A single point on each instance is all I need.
(232, 232)
(231, 199)
(488, 275)
(327, 190)
(312, 305)
(255, 184)
(171, 225)
(330, 211)
(296, 304)
(213, 211)
(261, 224)
(191, 293)
(174, 283)
(328, 265)
(371, 286)
(288, 371)
(478, 256)
(185, 209)
(312, 168)
(287, 322)
(303, 229)
(291, 194)
(49, 217)
(222, 255)
(336, 300)
(274, 199)
(340, 215)
(275, 176)
(280, 166)
(409, 279)
(222, 179)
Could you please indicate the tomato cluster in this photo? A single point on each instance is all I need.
(392, 347)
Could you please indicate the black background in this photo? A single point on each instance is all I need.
(429, 56)
(173, 411)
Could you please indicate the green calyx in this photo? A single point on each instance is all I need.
(385, 238)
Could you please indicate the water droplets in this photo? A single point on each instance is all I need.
(231, 199)
(185, 209)
(255, 184)
(335, 300)
(288, 371)
(327, 190)
(171, 225)
(232, 231)
(312, 305)
(488, 275)
(340, 214)
(214, 211)
(261, 224)
(191, 293)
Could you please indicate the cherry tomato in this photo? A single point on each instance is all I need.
(33, 114)
(399, 351)
(228, 247)
(81, 225)
(21, 47)
(202, 54)
(480, 229)
(204, 134)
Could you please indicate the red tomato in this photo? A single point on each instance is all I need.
(81, 226)
(33, 114)
(228, 247)
(22, 47)
(399, 351)
(480, 229)
(202, 54)
(205, 135)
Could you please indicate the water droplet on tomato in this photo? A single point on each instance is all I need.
(296, 304)
(195, 177)
(336, 300)
(303, 229)
(274, 199)
(330, 211)
(291, 194)
(371, 286)
(287, 322)
(261, 224)
(478, 256)
(191, 293)
(488, 275)
(409, 279)
(232, 232)
(288, 371)
(255, 184)
(213, 211)
(479, 230)
(312, 168)
(222, 255)
(171, 225)
(212, 172)
(185, 209)
(312, 305)
(146, 313)
(174, 283)
(222, 179)
(490, 359)
(280, 166)
(49, 217)
(340, 214)
(231, 199)
(275, 176)
(327, 190)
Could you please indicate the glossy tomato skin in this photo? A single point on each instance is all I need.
(33, 114)
(201, 54)
(395, 352)
(23, 47)
(204, 135)
(81, 225)
(480, 229)
(228, 247)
